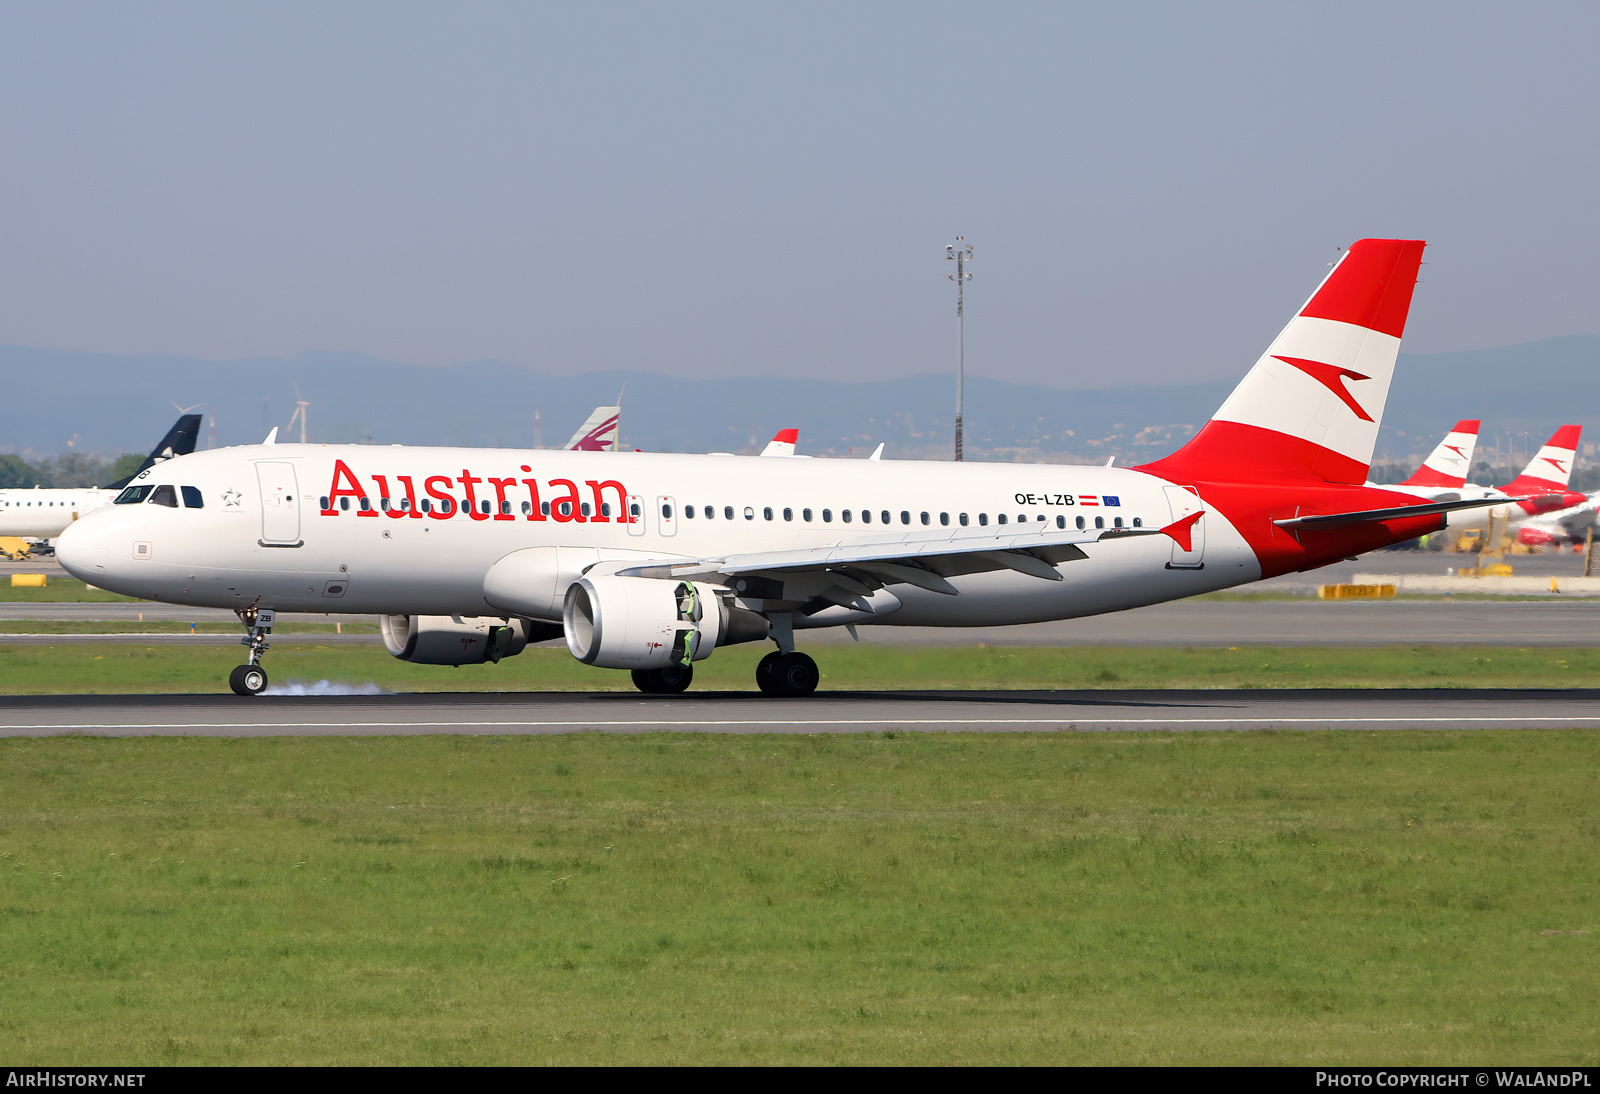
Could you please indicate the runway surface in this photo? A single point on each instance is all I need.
(1305, 622)
(834, 712)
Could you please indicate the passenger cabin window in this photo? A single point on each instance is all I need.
(344, 504)
(827, 516)
(1099, 522)
(324, 501)
(527, 508)
(133, 495)
(366, 505)
(1117, 522)
(884, 516)
(1138, 522)
(192, 499)
(727, 512)
(963, 520)
(1080, 524)
(1001, 518)
(383, 503)
(845, 515)
(944, 519)
(767, 512)
(749, 513)
(505, 508)
(688, 511)
(866, 516)
(788, 514)
(1061, 522)
(983, 519)
(165, 495)
(805, 515)
(544, 507)
(666, 512)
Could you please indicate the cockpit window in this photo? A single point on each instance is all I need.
(133, 495)
(165, 495)
(192, 499)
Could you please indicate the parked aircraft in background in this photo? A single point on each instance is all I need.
(1564, 513)
(651, 561)
(599, 432)
(1547, 509)
(782, 443)
(44, 514)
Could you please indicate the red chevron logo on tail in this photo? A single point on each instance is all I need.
(1331, 377)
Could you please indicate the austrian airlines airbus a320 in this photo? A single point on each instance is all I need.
(649, 561)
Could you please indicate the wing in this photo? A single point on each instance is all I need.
(846, 573)
(1341, 520)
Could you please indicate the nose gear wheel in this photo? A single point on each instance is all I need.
(248, 680)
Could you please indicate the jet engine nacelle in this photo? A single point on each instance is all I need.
(460, 640)
(649, 623)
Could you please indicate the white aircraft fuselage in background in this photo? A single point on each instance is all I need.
(42, 514)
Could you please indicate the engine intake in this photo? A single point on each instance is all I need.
(649, 623)
(460, 640)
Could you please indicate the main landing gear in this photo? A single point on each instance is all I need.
(790, 675)
(251, 678)
(668, 681)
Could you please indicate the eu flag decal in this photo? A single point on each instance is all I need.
(1110, 499)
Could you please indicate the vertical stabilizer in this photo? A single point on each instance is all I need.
(782, 443)
(1310, 407)
(1451, 462)
(599, 433)
(1550, 470)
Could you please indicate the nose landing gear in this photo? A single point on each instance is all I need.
(251, 678)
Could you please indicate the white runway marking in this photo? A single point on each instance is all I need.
(698, 722)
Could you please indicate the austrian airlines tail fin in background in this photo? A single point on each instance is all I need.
(599, 433)
(1451, 462)
(1551, 469)
(179, 441)
(782, 443)
(1310, 407)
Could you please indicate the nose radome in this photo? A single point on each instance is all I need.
(82, 549)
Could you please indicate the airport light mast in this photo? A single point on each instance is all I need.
(960, 252)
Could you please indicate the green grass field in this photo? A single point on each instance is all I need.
(59, 590)
(1291, 898)
(91, 626)
(117, 668)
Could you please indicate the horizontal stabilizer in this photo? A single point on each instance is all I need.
(1341, 520)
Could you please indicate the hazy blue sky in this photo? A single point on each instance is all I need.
(711, 190)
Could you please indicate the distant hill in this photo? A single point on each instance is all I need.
(112, 403)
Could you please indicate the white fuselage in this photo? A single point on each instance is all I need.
(45, 514)
(263, 537)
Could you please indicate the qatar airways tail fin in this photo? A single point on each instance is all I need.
(1550, 470)
(1310, 407)
(1451, 462)
(599, 433)
(782, 443)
